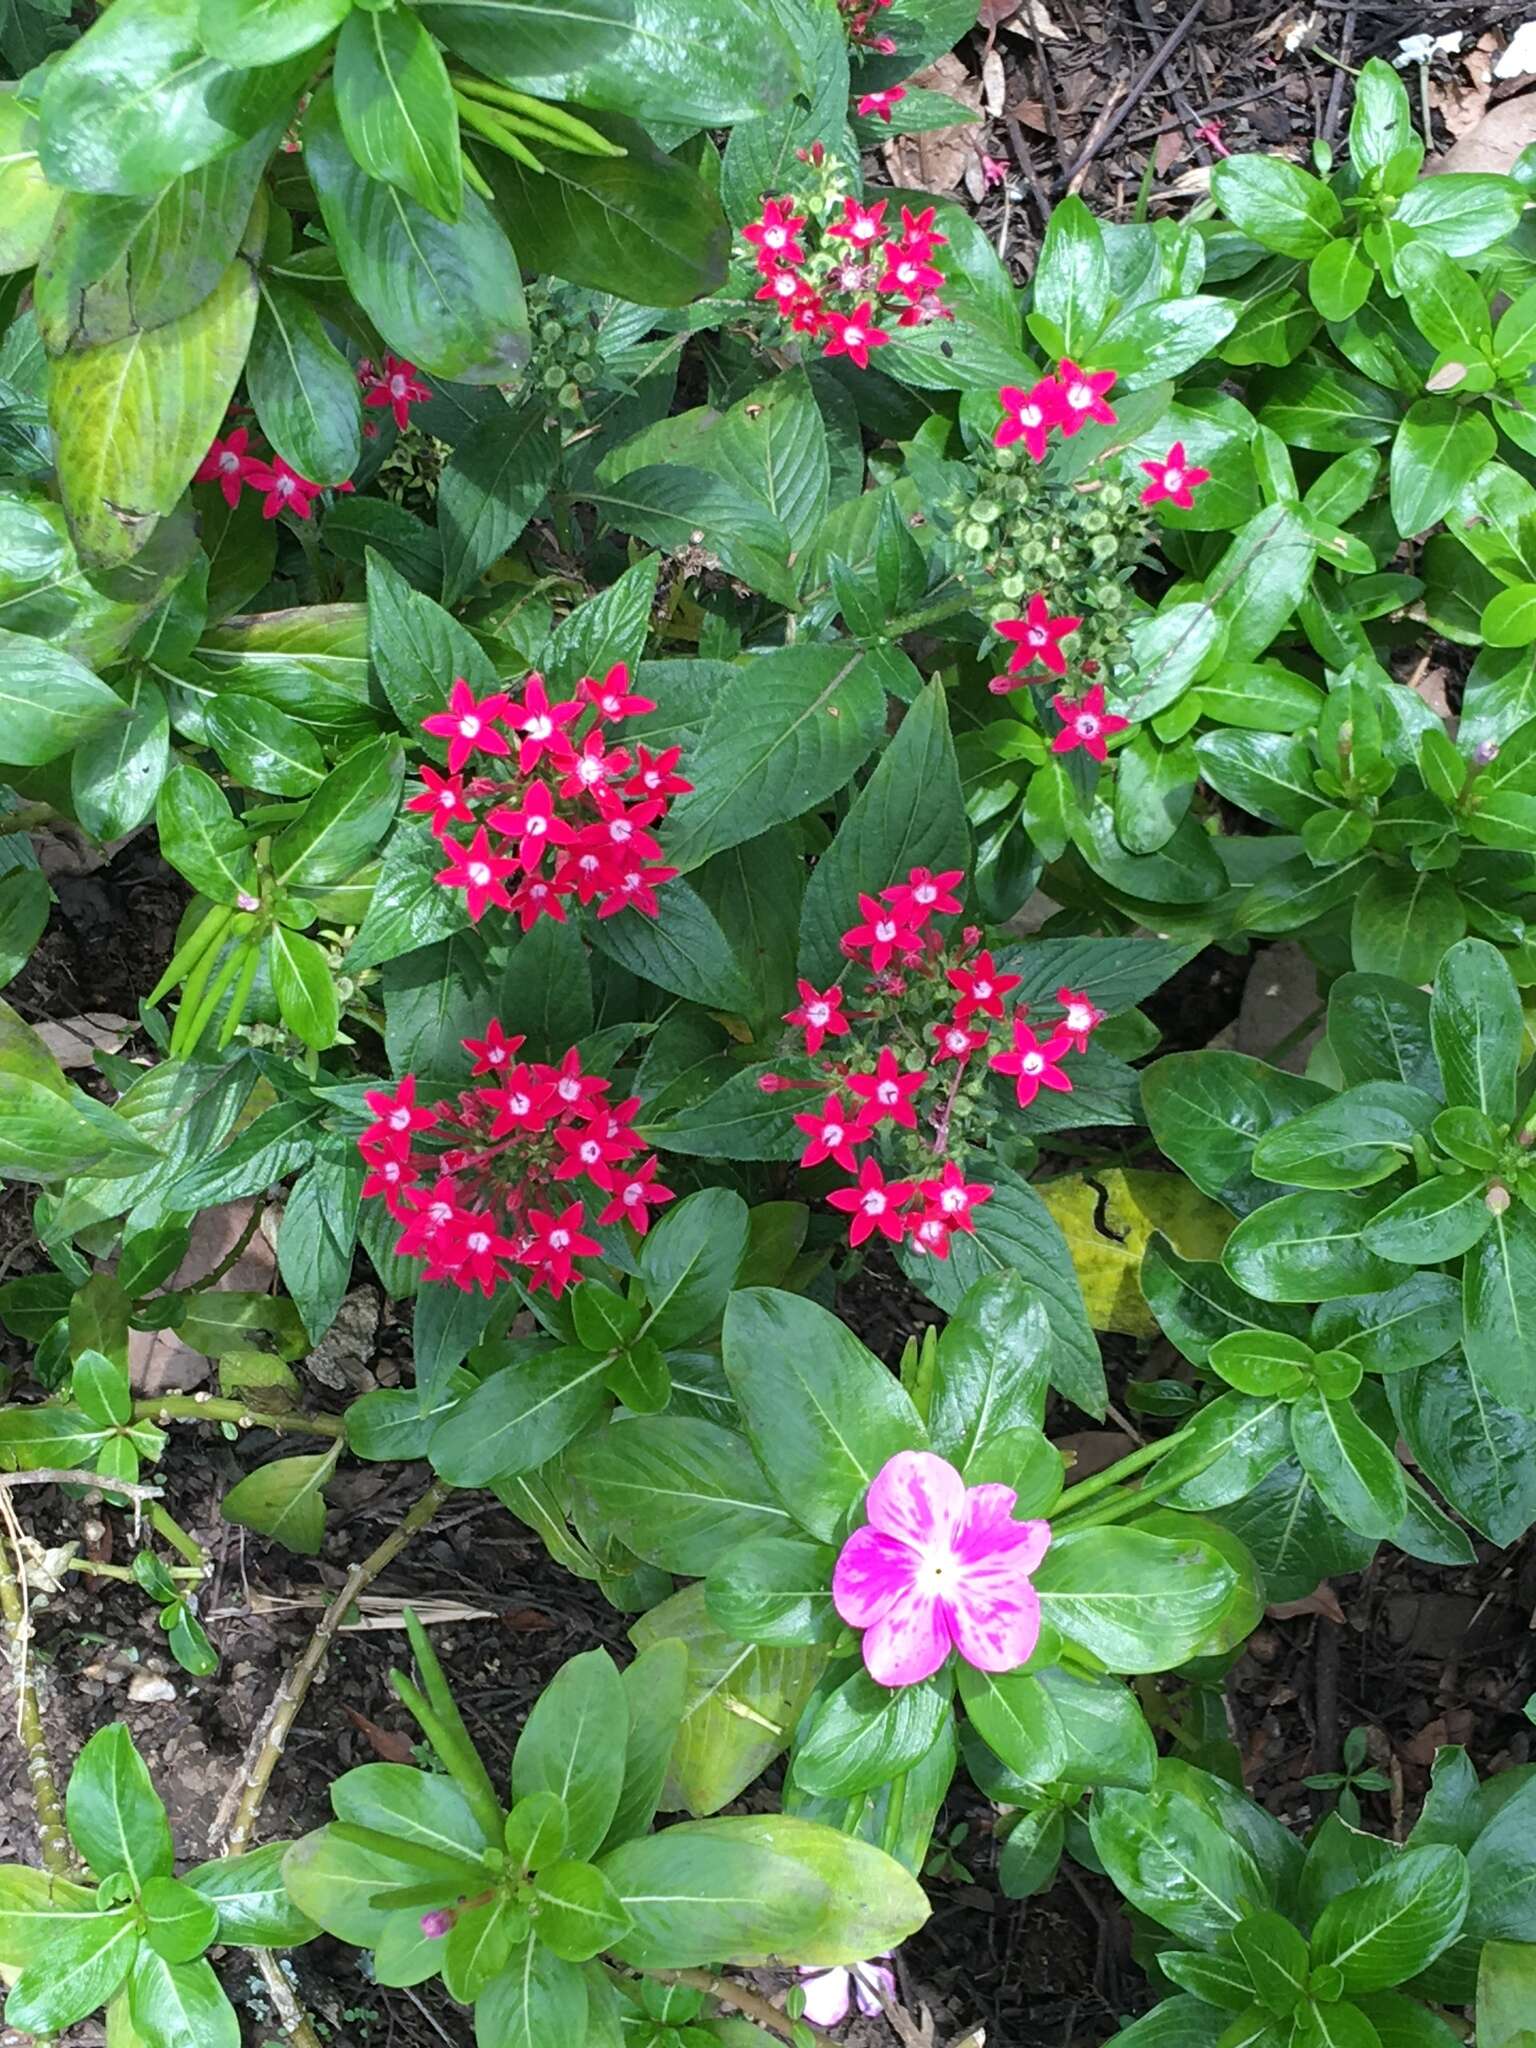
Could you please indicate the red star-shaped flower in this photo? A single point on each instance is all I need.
(1080, 1018)
(954, 1197)
(887, 1092)
(1086, 724)
(819, 1015)
(874, 1203)
(854, 334)
(480, 872)
(881, 934)
(981, 987)
(862, 225)
(442, 799)
(1029, 416)
(542, 725)
(776, 236)
(1038, 637)
(228, 465)
(1175, 479)
(468, 727)
(1082, 396)
(833, 1131)
(881, 103)
(1034, 1066)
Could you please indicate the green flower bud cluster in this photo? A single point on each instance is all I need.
(410, 471)
(564, 359)
(1078, 546)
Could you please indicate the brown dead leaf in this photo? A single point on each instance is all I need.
(1446, 1729)
(158, 1361)
(74, 1041)
(1324, 1602)
(994, 83)
(530, 1620)
(390, 1745)
(1030, 18)
(1496, 140)
(1462, 99)
(1169, 147)
(936, 161)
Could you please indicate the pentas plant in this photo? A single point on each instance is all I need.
(903, 1085)
(1052, 555)
(235, 466)
(860, 22)
(562, 790)
(838, 271)
(492, 1179)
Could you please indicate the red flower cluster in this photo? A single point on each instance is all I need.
(232, 464)
(592, 806)
(870, 1093)
(829, 291)
(398, 386)
(501, 1192)
(858, 19)
(1067, 401)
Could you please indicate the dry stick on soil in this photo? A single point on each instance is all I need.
(249, 1788)
(1106, 129)
(752, 2003)
(45, 1475)
(52, 1837)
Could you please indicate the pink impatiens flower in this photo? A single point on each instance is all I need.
(1175, 478)
(881, 103)
(939, 1566)
(1038, 637)
(1086, 724)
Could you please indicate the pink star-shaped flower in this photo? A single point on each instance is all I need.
(1082, 396)
(981, 988)
(864, 226)
(479, 871)
(1080, 1018)
(939, 1566)
(542, 725)
(441, 798)
(776, 236)
(1034, 1066)
(883, 933)
(881, 103)
(1086, 724)
(1174, 479)
(228, 465)
(832, 1131)
(1038, 637)
(887, 1092)
(819, 1015)
(874, 1203)
(467, 726)
(1029, 416)
(854, 334)
(398, 385)
(954, 1197)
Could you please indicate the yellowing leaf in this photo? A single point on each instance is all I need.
(134, 418)
(1107, 1218)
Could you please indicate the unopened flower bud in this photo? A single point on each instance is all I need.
(436, 1924)
(1485, 751)
(1497, 1199)
(246, 901)
(772, 1084)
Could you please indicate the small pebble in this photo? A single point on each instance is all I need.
(146, 1689)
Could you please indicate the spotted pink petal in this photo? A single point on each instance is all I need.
(873, 1572)
(984, 1507)
(985, 1536)
(909, 1642)
(994, 1618)
(917, 1498)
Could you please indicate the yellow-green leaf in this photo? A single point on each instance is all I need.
(1107, 1218)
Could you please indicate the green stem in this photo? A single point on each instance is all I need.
(27, 818)
(165, 1524)
(200, 944)
(1089, 1489)
(456, 1754)
(190, 1027)
(211, 1408)
(93, 1570)
(52, 1835)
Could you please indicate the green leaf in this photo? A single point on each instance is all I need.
(200, 835)
(1476, 1028)
(180, 2005)
(655, 1690)
(133, 418)
(247, 32)
(688, 1262)
(1170, 1855)
(740, 1707)
(1019, 1721)
(910, 813)
(419, 1809)
(1072, 283)
(303, 388)
(447, 296)
(1104, 1732)
(333, 1882)
(991, 1368)
(1277, 204)
(537, 2001)
(1506, 1990)
(685, 951)
(284, 1501)
(1275, 1955)
(863, 1734)
(184, 109)
(774, 1589)
(180, 1923)
(397, 108)
(674, 506)
(1356, 1474)
(85, 1962)
(1308, 1247)
(1499, 1306)
(580, 1914)
(643, 226)
(821, 1411)
(573, 1744)
(345, 818)
(1440, 1218)
(116, 1819)
(36, 1908)
(251, 1899)
(1378, 1030)
(1136, 1602)
(1436, 452)
(492, 487)
(1208, 1110)
(1461, 212)
(519, 1417)
(516, 40)
(28, 203)
(1363, 1135)
(117, 771)
(1408, 1325)
(304, 988)
(318, 1233)
(49, 703)
(1396, 1922)
(675, 1490)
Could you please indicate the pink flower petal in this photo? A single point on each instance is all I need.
(909, 1643)
(984, 1507)
(828, 1999)
(918, 1498)
(994, 1619)
(874, 1975)
(986, 1540)
(873, 1572)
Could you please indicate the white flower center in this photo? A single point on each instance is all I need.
(1173, 479)
(1037, 636)
(1087, 725)
(478, 1241)
(229, 463)
(589, 770)
(775, 238)
(1080, 1017)
(446, 800)
(887, 1094)
(540, 727)
(479, 873)
(981, 989)
(635, 1192)
(469, 727)
(831, 1134)
(853, 337)
(863, 231)
(439, 1214)
(569, 1090)
(1031, 416)
(620, 831)
(1032, 1063)
(885, 931)
(874, 1202)
(591, 1153)
(397, 386)
(817, 1013)
(952, 1201)
(1080, 396)
(558, 1240)
(519, 1104)
(400, 1120)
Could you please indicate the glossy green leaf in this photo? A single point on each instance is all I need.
(1136, 1602)
(677, 1491)
(573, 1744)
(116, 1818)
(1395, 1923)
(397, 109)
(302, 387)
(1308, 1247)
